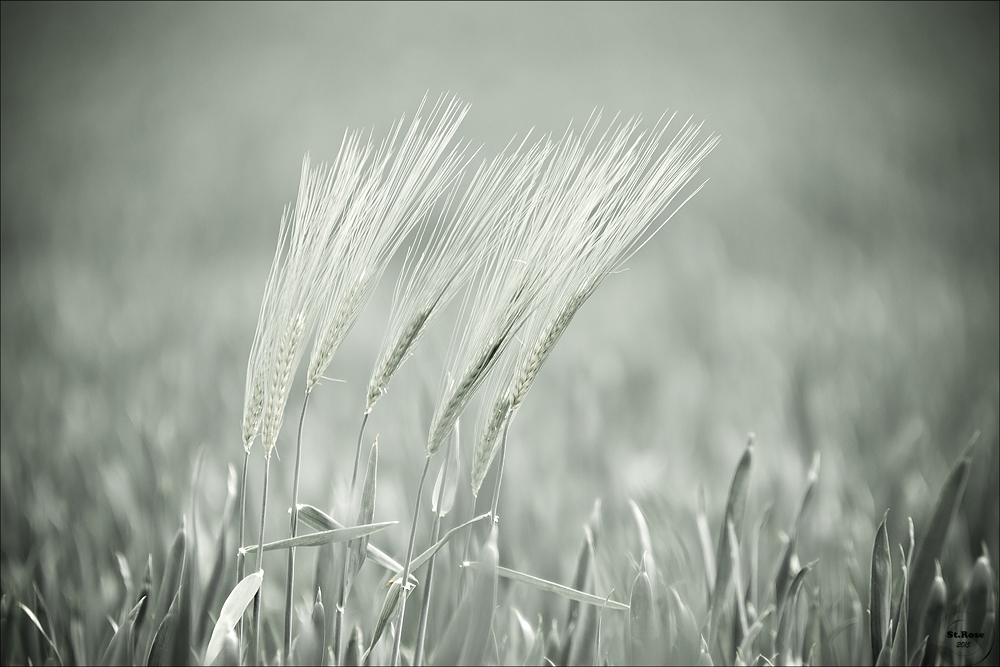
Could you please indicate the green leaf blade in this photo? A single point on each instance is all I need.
(325, 537)
(880, 599)
(366, 514)
(232, 610)
(559, 589)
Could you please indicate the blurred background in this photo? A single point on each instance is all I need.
(833, 288)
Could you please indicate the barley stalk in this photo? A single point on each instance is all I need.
(240, 555)
(425, 603)
(258, 598)
(394, 659)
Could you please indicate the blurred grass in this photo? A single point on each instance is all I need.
(834, 288)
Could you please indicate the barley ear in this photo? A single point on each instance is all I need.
(395, 359)
(486, 448)
(473, 377)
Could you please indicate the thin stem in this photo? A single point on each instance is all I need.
(357, 454)
(257, 600)
(240, 555)
(338, 623)
(463, 576)
(405, 581)
(290, 576)
(338, 614)
(425, 604)
(503, 457)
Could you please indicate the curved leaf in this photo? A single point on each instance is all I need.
(880, 589)
(921, 575)
(232, 611)
(359, 547)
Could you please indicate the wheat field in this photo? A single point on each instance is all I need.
(411, 246)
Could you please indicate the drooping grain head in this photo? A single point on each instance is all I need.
(486, 447)
(326, 346)
(543, 347)
(391, 363)
(285, 358)
(456, 248)
(590, 214)
(457, 399)
(259, 363)
(394, 192)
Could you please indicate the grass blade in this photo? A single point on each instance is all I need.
(881, 589)
(484, 596)
(34, 620)
(783, 640)
(325, 537)
(648, 564)
(746, 646)
(687, 646)
(812, 478)
(899, 641)
(447, 475)
(388, 611)
(917, 657)
(144, 597)
(736, 504)
(534, 656)
(221, 556)
(320, 520)
(735, 510)
(921, 575)
(354, 652)
(884, 654)
(559, 589)
(705, 542)
(783, 578)
(230, 653)
(579, 583)
(455, 641)
(980, 601)
(120, 649)
(359, 548)
(232, 611)
(741, 616)
(643, 628)
(704, 658)
(171, 580)
(212, 589)
(169, 644)
(426, 556)
(449, 648)
(930, 626)
(311, 642)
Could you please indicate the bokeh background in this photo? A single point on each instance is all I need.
(833, 288)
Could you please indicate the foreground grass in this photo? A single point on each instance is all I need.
(644, 590)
